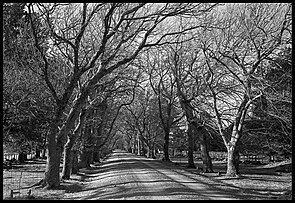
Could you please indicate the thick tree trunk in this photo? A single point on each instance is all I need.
(207, 162)
(85, 159)
(191, 143)
(75, 168)
(148, 151)
(132, 149)
(38, 153)
(87, 148)
(96, 155)
(153, 154)
(91, 156)
(166, 147)
(232, 161)
(237, 160)
(189, 115)
(68, 154)
(54, 146)
(52, 179)
(22, 157)
(43, 154)
(68, 158)
(97, 133)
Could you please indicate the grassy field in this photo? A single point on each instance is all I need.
(21, 176)
(256, 181)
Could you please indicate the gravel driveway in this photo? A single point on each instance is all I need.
(126, 176)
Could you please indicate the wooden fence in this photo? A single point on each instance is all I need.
(222, 156)
(10, 156)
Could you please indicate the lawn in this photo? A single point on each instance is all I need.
(21, 178)
(256, 181)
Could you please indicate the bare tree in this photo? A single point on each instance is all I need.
(236, 56)
(164, 86)
(190, 90)
(96, 39)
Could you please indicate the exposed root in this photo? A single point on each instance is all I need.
(40, 183)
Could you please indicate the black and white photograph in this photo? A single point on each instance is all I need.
(147, 101)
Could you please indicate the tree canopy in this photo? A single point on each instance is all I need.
(146, 77)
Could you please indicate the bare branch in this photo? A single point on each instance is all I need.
(45, 69)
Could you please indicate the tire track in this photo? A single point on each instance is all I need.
(128, 177)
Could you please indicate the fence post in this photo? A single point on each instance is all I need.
(11, 193)
(29, 193)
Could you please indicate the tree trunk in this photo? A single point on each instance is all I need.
(38, 152)
(189, 115)
(138, 145)
(207, 162)
(22, 157)
(91, 156)
(153, 154)
(85, 159)
(55, 146)
(68, 158)
(68, 153)
(43, 154)
(237, 160)
(52, 167)
(190, 147)
(75, 168)
(132, 149)
(148, 152)
(96, 155)
(85, 154)
(135, 147)
(232, 161)
(166, 146)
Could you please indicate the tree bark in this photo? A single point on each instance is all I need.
(75, 168)
(207, 162)
(98, 145)
(68, 154)
(22, 157)
(85, 159)
(138, 145)
(43, 154)
(52, 176)
(166, 147)
(38, 152)
(88, 147)
(91, 156)
(233, 159)
(233, 145)
(148, 151)
(52, 167)
(96, 156)
(68, 158)
(56, 141)
(191, 142)
(153, 154)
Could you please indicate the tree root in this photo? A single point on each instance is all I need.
(39, 183)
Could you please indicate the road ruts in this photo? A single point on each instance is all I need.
(129, 177)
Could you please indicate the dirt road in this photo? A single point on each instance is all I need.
(127, 176)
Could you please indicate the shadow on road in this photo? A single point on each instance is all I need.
(118, 162)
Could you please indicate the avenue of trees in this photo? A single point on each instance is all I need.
(82, 79)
